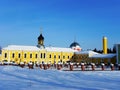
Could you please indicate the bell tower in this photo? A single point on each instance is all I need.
(41, 40)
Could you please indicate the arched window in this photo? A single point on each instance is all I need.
(63, 57)
(54, 56)
(35, 55)
(13, 55)
(68, 57)
(19, 55)
(25, 55)
(44, 55)
(30, 55)
(59, 56)
(50, 56)
(5, 55)
(41, 55)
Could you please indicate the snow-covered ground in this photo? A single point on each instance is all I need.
(16, 78)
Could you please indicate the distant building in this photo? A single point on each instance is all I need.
(93, 57)
(41, 54)
(118, 52)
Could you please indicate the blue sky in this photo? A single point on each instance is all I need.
(61, 20)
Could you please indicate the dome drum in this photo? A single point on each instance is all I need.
(75, 46)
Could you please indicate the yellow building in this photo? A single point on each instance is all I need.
(32, 53)
(39, 53)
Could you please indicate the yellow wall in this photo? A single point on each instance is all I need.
(55, 56)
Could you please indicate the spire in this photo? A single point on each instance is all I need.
(74, 38)
(41, 39)
(41, 36)
(41, 30)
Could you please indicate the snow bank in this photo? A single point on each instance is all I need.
(16, 78)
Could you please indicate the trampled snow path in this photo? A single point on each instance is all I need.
(16, 78)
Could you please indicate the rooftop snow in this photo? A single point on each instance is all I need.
(35, 48)
(103, 56)
(59, 49)
(18, 47)
(86, 52)
(93, 54)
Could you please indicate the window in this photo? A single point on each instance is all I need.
(30, 55)
(44, 55)
(5, 55)
(50, 56)
(54, 56)
(68, 57)
(72, 57)
(59, 56)
(41, 55)
(13, 55)
(35, 55)
(63, 57)
(25, 55)
(19, 55)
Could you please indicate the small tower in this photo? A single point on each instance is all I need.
(104, 45)
(41, 41)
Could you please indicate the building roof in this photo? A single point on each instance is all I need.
(21, 47)
(103, 56)
(93, 54)
(59, 49)
(35, 48)
(74, 44)
(86, 52)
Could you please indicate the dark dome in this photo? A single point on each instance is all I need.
(40, 37)
(74, 44)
